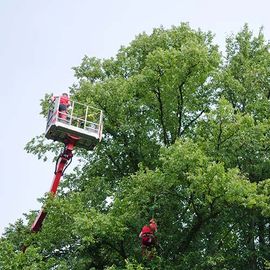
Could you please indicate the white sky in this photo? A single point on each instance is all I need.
(41, 40)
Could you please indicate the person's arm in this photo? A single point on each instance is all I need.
(68, 102)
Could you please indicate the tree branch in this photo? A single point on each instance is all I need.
(191, 122)
(161, 115)
(180, 106)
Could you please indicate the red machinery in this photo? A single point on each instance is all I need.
(81, 126)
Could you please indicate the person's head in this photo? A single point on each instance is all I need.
(152, 221)
(153, 225)
(65, 94)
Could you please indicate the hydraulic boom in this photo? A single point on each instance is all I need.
(62, 161)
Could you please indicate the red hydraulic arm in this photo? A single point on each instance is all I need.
(64, 157)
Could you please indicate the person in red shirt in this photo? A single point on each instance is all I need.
(148, 238)
(64, 103)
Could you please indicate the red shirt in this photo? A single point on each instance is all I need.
(64, 100)
(147, 235)
(146, 229)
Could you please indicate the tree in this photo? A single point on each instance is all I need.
(186, 140)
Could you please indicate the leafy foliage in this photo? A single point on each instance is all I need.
(186, 140)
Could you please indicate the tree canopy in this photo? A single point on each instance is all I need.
(186, 140)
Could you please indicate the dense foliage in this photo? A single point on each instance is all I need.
(186, 140)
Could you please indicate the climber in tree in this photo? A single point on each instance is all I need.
(148, 238)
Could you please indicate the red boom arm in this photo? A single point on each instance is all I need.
(62, 161)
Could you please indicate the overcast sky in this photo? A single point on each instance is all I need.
(40, 41)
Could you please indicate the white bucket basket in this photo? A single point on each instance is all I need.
(82, 121)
